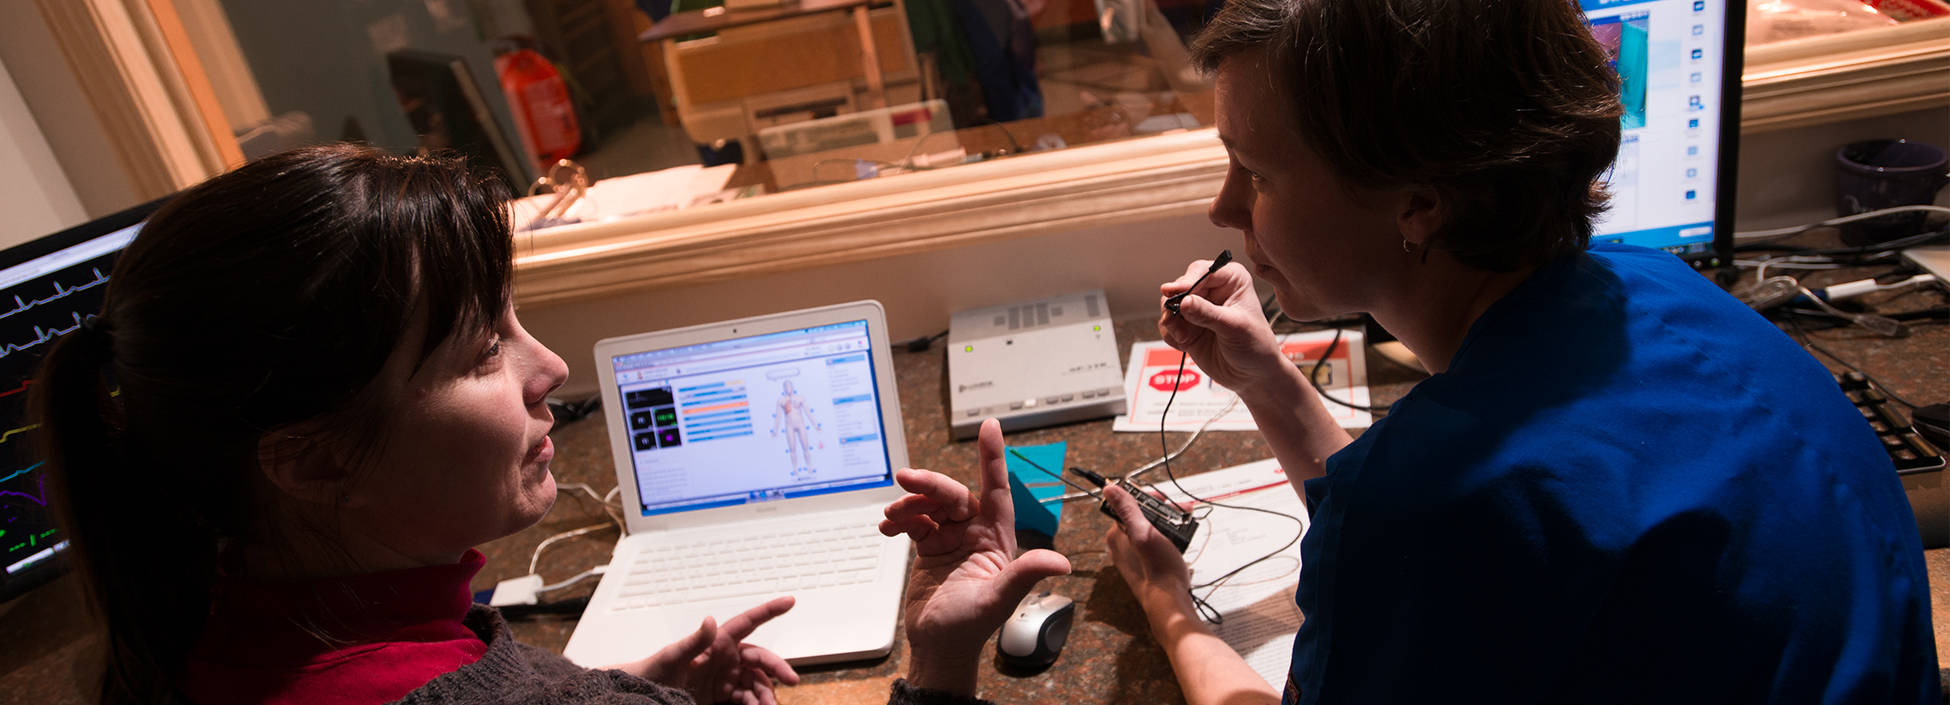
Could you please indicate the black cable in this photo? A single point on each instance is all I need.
(1313, 378)
(571, 607)
(922, 343)
(1205, 609)
(1808, 341)
(1014, 146)
(1046, 471)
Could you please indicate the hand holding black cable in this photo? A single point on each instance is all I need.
(1171, 303)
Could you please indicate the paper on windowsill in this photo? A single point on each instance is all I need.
(620, 196)
(1154, 365)
(1257, 604)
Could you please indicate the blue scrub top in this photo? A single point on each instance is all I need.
(1628, 487)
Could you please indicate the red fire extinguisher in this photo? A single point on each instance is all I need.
(540, 102)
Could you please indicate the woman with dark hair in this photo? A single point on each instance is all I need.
(305, 399)
(1525, 525)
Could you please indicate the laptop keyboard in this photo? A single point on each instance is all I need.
(716, 568)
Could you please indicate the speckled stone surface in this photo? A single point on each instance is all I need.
(46, 644)
(1111, 657)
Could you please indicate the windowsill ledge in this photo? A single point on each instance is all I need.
(1786, 85)
(1084, 187)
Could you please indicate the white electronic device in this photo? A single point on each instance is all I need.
(756, 458)
(1033, 364)
(853, 129)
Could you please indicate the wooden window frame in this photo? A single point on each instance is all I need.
(168, 113)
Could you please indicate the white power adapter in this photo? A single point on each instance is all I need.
(517, 591)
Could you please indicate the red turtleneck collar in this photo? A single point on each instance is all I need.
(361, 639)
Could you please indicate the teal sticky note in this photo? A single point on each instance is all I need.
(1031, 481)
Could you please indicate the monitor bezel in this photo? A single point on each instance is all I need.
(1734, 48)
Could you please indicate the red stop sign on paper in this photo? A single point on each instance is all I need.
(1170, 380)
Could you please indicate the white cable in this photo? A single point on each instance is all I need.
(1881, 325)
(1808, 262)
(1751, 238)
(610, 508)
(572, 533)
(1132, 475)
(617, 515)
(591, 491)
(1861, 287)
(584, 575)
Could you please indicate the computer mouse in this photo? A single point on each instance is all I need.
(1035, 634)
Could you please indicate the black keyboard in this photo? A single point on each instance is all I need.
(1908, 449)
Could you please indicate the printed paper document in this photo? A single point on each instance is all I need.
(1153, 373)
(1260, 615)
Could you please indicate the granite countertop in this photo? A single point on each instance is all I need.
(46, 643)
(1110, 657)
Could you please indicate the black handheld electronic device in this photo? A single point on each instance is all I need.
(1171, 302)
(1176, 524)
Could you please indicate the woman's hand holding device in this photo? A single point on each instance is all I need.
(967, 578)
(713, 664)
(1153, 567)
(1208, 669)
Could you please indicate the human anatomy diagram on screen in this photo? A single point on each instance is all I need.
(794, 420)
(703, 437)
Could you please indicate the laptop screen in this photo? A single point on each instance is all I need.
(1673, 61)
(754, 419)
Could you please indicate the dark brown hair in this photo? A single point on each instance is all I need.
(260, 299)
(1507, 107)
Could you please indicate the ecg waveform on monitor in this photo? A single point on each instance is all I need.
(22, 471)
(17, 390)
(60, 292)
(4, 437)
(41, 335)
(40, 495)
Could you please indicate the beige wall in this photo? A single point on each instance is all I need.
(43, 203)
(919, 291)
(78, 140)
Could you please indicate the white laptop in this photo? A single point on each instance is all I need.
(756, 457)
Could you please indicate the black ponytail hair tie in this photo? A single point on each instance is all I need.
(97, 332)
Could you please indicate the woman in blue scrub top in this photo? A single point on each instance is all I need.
(1618, 485)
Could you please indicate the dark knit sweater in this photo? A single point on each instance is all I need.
(513, 672)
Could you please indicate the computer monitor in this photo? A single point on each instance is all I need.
(1679, 67)
(46, 286)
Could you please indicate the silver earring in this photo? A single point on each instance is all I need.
(1407, 246)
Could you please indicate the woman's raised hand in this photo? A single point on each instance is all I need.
(1221, 326)
(713, 664)
(967, 577)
